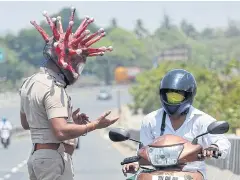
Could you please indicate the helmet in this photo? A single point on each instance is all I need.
(69, 50)
(177, 90)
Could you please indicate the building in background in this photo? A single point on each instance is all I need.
(180, 52)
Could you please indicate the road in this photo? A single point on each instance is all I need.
(96, 158)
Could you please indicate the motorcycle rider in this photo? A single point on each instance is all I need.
(5, 128)
(178, 117)
(46, 108)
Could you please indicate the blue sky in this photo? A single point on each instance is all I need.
(16, 15)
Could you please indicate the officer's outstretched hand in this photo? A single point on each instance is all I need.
(103, 121)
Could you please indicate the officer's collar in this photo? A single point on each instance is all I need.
(59, 77)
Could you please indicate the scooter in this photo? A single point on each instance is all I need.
(5, 137)
(165, 158)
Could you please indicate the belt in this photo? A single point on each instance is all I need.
(54, 146)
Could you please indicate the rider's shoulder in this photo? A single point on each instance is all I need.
(153, 116)
(204, 117)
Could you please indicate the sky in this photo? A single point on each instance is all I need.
(17, 15)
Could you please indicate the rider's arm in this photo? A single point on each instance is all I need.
(24, 122)
(57, 108)
(214, 139)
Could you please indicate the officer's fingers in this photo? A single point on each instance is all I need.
(113, 120)
(85, 116)
(76, 112)
(105, 115)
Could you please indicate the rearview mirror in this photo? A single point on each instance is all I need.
(218, 127)
(118, 135)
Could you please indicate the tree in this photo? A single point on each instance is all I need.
(166, 23)
(188, 29)
(140, 31)
(232, 30)
(207, 33)
(114, 23)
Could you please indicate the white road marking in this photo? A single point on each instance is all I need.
(14, 170)
(7, 176)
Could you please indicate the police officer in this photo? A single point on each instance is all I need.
(46, 108)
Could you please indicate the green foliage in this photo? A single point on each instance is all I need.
(214, 61)
(217, 95)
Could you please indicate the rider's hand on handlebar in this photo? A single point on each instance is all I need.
(103, 122)
(130, 168)
(209, 152)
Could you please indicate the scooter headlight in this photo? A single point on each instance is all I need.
(165, 156)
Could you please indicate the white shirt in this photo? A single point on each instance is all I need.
(5, 129)
(195, 124)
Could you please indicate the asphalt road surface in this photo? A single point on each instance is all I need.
(96, 158)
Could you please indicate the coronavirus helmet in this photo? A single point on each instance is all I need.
(69, 50)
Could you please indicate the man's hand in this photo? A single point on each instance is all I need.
(130, 168)
(80, 118)
(103, 122)
(209, 152)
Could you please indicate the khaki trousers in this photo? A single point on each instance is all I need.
(47, 164)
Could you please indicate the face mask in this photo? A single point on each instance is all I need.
(81, 67)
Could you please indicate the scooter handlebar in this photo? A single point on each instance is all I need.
(130, 160)
(216, 154)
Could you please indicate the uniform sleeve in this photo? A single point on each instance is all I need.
(219, 139)
(146, 136)
(56, 102)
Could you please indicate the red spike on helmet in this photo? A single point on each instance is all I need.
(70, 44)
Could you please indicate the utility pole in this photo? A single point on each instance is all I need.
(119, 102)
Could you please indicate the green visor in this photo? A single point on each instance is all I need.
(174, 97)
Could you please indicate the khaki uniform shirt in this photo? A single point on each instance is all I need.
(43, 97)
